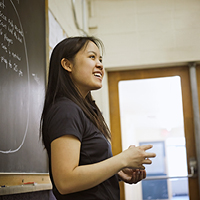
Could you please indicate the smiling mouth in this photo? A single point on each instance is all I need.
(97, 74)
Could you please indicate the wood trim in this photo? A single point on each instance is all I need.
(19, 179)
(113, 79)
(198, 82)
(12, 183)
(24, 189)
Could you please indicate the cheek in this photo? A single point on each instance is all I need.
(82, 71)
(103, 73)
(81, 76)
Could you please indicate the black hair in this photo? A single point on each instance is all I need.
(60, 84)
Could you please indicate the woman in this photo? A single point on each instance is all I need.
(74, 132)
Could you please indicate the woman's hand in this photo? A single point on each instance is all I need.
(131, 175)
(135, 157)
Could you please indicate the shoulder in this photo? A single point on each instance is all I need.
(64, 118)
(65, 113)
(65, 106)
(65, 102)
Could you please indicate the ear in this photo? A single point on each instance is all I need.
(66, 64)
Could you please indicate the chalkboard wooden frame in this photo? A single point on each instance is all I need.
(40, 175)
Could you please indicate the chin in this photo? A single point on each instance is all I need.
(97, 88)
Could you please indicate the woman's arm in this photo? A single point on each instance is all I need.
(69, 177)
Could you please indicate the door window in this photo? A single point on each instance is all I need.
(151, 112)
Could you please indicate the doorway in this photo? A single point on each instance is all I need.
(184, 140)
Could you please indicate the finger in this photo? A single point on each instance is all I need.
(134, 177)
(147, 161)
(140, 175)
(127, 170)
(146, 147)
(141, 167)
(136, 170)
(144, 173)
(150, 155)
(137, 176)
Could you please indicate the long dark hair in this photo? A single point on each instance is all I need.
(61, 85)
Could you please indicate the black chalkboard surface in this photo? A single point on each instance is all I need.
(22, 85)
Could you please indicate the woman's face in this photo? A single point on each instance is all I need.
(87, 69)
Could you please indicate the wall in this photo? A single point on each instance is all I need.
(145, 34)
(140, 32)
(63, 13)
(136, 33)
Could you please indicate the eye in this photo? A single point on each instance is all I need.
(92, 56)
(101, 60)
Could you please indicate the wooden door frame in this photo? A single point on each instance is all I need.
(183, 71)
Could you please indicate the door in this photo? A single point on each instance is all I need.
(115, 121)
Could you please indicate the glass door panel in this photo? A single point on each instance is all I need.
(151, 112)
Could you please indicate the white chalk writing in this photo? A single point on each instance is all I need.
(14, 55)
(3, 24)
(36, 78)
(8, 40)
(9, 64)
(13, 51)
(10, 33)
(3, 16)
(2, 5)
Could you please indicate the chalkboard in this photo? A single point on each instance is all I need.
(22, 85)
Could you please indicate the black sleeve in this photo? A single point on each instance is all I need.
(65, 118)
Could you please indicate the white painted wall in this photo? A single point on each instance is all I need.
(62, 11)
(145, 34)
(141, 32)
(136, 33)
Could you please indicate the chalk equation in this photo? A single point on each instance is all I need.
(14, 71)
(10, 34)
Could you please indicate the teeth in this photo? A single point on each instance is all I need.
(97, 74)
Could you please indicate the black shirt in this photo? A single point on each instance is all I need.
(66, 118)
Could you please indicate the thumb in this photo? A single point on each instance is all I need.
(131, 146)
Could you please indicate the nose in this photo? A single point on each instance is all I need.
(99, 65)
